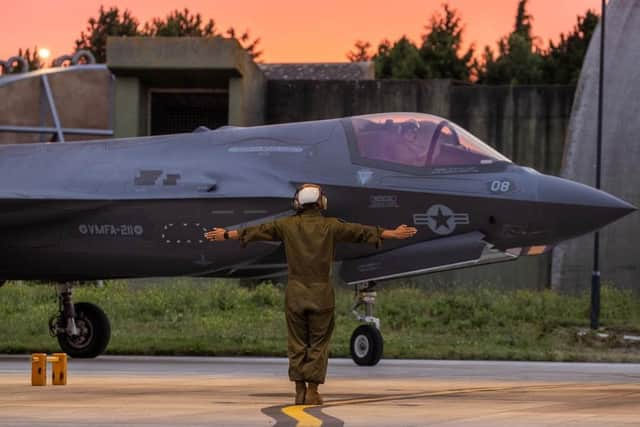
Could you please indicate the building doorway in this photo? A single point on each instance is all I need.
(180, 110)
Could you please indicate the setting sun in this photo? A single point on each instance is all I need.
(44, 53)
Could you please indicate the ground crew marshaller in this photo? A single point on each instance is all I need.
(310, 240)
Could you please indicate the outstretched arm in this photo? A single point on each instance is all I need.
(400, 232)
(218, 234)
(358, 233)
(266, 231)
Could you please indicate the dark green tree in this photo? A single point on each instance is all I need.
(441, 47)
(401, 60)
(563, 61)
(382, 60)
(109, 23)
(180, 23)
(523, 21)
(518, 60)
(360, 52)
(249, 44)
(439, 56)
(183, 23)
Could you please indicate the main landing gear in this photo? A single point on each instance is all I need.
(366, 341)
(82, 329)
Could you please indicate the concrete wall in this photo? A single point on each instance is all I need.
(300, 100)
(247, 95)
(620, 250)
(176, 53)
(527, 123)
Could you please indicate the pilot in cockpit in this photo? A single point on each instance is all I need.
(410, 145)
(419, 141)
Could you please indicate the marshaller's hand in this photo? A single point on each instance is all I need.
(217, 234)
(404, 232)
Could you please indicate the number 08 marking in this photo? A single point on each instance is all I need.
(499, 186)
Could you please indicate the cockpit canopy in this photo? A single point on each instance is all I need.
(419, 140)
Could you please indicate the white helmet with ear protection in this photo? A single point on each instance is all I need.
(309, 194)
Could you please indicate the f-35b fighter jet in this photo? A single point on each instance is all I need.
(138, 207)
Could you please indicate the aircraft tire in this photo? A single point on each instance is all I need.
(366, 345)
(95, 332)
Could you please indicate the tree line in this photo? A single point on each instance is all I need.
(519, 59)
(178, 23)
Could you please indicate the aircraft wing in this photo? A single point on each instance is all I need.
(273, 265)
(447, 253)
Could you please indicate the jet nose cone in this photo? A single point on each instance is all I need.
(577, 208)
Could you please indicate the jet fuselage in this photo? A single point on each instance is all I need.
(138, 207)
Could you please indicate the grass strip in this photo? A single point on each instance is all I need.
(220, 317)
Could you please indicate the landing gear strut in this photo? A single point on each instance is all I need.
(82, 329)
(366, 341)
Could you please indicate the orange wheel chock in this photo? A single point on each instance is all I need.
(39, 368)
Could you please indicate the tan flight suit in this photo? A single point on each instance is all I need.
(310, 241)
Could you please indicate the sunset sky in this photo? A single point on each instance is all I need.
(291, 31)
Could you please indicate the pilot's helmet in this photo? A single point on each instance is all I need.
(308, 195)
(409, 130)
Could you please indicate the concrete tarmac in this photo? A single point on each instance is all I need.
(194, 391)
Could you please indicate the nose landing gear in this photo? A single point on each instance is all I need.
(82, 329)
(366, 343)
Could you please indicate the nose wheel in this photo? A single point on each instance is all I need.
(366, 343)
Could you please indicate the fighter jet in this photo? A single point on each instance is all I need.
(138, 207)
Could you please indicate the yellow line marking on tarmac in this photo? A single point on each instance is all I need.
(297, 412)
(304, 420)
